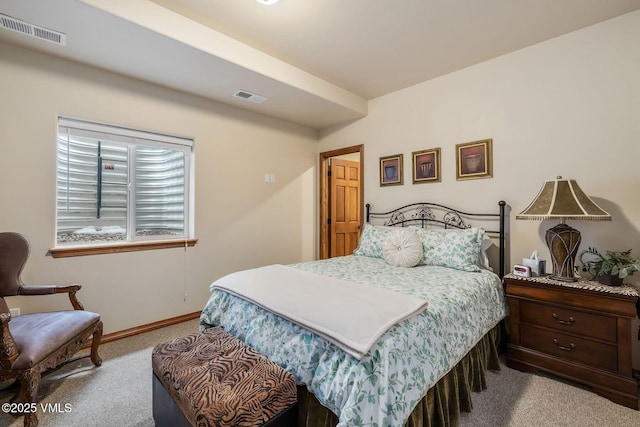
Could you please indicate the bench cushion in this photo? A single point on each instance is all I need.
(217, 380)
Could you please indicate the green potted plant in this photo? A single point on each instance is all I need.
(611, 268)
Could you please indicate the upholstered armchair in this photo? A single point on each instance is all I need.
(31, 344)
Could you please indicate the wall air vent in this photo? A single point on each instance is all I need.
(243, 94)
(13, 24)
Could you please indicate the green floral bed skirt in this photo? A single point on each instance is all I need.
(444, 401)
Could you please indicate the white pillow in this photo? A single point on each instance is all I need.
(483, 257)
(402, 248)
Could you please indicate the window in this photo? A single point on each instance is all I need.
(120, 185)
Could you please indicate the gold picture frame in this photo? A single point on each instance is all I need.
(391, 170)
(426, 165)
(474, 160)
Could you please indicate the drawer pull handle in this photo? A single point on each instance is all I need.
(572, 346)
(564, 322)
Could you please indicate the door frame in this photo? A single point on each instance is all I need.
(324, 192)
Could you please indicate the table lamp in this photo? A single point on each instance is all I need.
(563, 199)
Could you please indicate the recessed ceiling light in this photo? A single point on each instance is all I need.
(267, 2)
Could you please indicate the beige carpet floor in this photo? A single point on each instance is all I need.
(518, 399)
(118, 394)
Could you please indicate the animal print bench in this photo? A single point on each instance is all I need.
(213, 379)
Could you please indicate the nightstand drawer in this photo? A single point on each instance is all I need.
(592, 353)
(569, 320)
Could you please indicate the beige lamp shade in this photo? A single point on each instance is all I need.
(563, 199)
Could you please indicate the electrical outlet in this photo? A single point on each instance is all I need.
(15, 312)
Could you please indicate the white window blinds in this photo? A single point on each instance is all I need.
(120, 184)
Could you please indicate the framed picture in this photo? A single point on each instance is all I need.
(391, 170)
(474, 160)
(426, 165)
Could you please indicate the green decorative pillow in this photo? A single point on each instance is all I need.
(371, 240)
(457, 249)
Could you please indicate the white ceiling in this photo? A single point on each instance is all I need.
(317, 62)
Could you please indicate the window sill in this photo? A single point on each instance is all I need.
(118, 248)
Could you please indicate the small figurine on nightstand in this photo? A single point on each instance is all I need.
(609, 269)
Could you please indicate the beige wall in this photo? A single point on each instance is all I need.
(240, 220)
(569, 106)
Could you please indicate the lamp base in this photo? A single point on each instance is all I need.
(563, 242)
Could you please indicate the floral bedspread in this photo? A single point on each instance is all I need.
(383, 388)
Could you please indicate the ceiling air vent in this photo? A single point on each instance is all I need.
(31, 30)
(250, 96)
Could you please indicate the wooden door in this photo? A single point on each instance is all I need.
(344, 200)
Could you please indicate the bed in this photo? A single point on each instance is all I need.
(419, 372)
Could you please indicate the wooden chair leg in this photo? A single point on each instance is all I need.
(95, 343)
(30, 420)
(29, 384)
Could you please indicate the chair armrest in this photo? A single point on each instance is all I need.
(37, 290)
(54, 289)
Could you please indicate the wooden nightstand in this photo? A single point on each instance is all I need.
(577, 330)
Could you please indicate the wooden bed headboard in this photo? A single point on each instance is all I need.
(424, 214)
